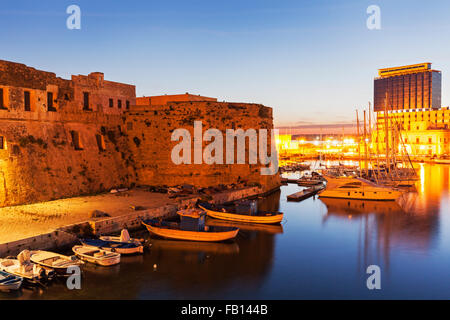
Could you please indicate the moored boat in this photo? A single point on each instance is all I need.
(31, 273)
(174, 230)
(442, 160)
(9, 282)
(55, 261)
(114, 246)
(306, 182)
(231, 213)
(358, 189)
(123, 238)
(244, 226)
(96, 256)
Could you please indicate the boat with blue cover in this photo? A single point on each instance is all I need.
(9, 282)
(114, 246)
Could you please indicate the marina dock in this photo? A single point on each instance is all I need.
(304, 194)
(288, 180)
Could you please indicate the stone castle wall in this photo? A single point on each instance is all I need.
(39, 157)
(68, 150)
(149, 130)
(40, 162)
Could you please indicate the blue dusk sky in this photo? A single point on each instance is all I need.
(312, 61)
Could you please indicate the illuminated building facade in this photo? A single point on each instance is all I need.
(416, 122)
(313, 145)
(424, 132)
(407, 87)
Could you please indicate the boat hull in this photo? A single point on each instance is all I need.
(105, 261)
(31, 277)
(442, 161)
(358, 189)
(361, 195)
(272, 219)
(9, 282)
(125, 251)
(117, 239)
(191, 235)
(11, 286)
(44, 259)
(262, 227)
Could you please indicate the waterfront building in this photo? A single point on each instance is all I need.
(407, 101)
(407, 87)
(424, 132)
(313, 145)
(285, 143)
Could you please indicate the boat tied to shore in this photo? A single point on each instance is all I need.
(9, 282)
(96, 256)
(191, 227)
(241, 212)
(23, 267)
(124, 248)
(55, 261)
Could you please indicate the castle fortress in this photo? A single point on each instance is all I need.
(62, 138)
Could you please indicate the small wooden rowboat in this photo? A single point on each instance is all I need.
(243, 226)
(9, 282)
(55, 261)
(113, 246)
(31, 273)
(96, 256)
(228, 213)
(173, 230)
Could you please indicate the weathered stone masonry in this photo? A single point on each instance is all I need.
(149, 130)
(38, 160)
(62, 138)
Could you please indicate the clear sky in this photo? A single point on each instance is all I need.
(312, 61)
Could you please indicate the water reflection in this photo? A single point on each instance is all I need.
(267, 228)
(196, 247)
(322, 251)
(411, 223)
(383, 227)
(433, 190)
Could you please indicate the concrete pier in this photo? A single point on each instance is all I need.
(122, 217)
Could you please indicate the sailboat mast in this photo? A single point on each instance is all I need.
(386, 134)
(365, 147)
(359, 142)
(377, 171)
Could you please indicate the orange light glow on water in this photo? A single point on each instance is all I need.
(422, 178)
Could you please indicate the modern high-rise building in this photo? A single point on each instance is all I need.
(407, 87)
(415, 121)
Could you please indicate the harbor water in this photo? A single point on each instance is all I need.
(321, 251)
